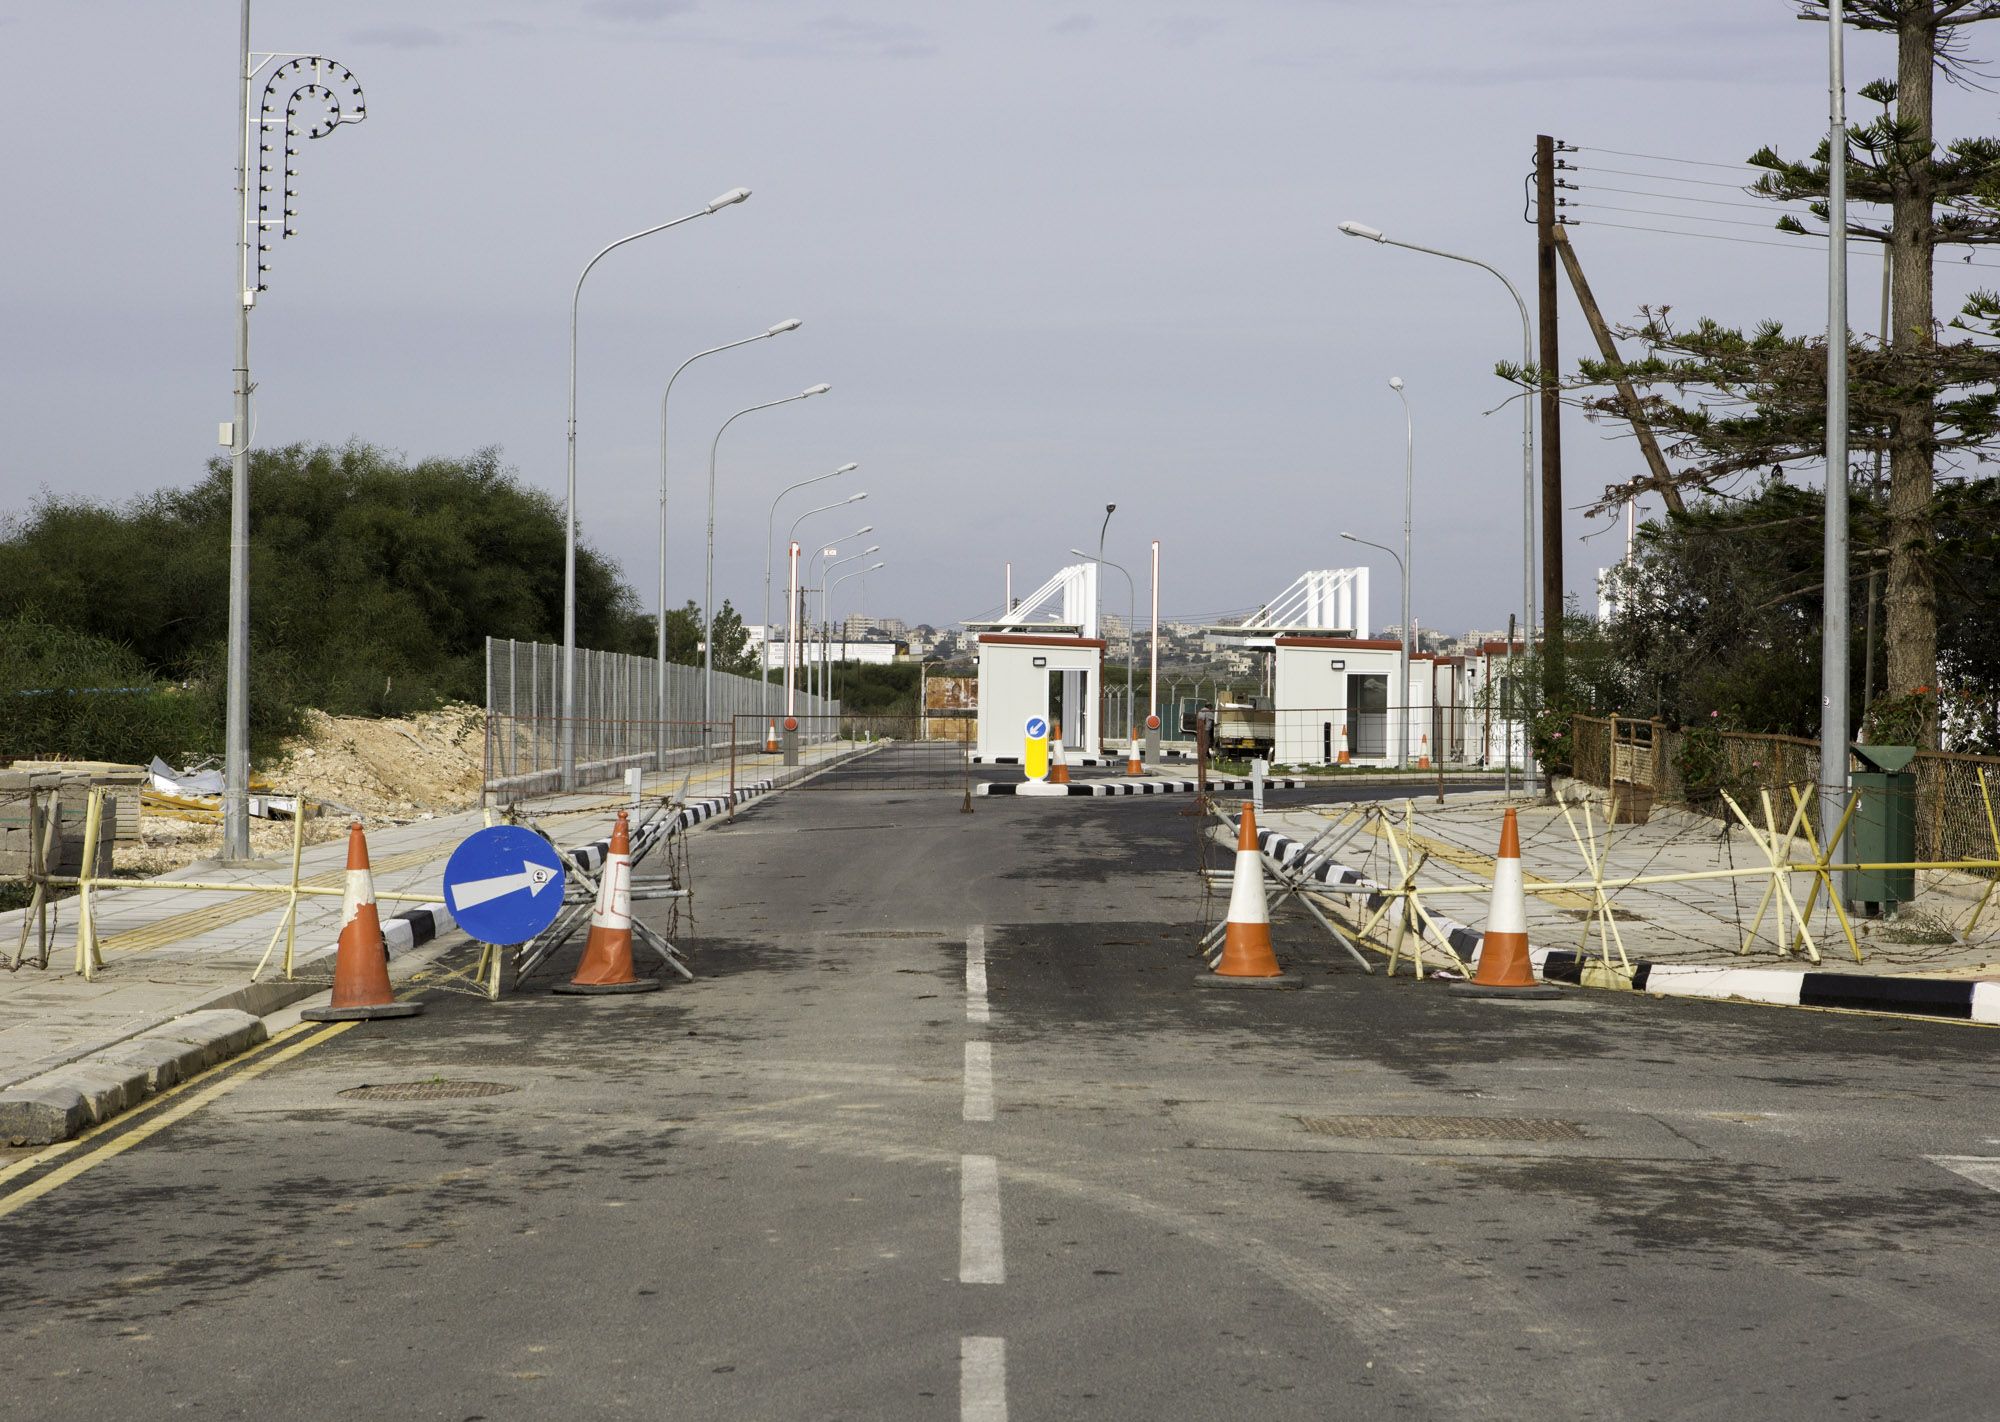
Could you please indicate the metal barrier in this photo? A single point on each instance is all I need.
(857, 753)
(620, 721)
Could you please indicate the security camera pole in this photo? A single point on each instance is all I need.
(314, 81)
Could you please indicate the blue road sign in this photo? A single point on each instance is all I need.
(504, 884)
(1037, 727)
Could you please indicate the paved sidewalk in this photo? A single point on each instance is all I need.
(172, 952)
(1692, 937)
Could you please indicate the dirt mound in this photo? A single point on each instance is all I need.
(384, 771)
(395, 769)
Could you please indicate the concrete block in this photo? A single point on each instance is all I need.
(215, 1034)
(58, 1104)
(41, 1113)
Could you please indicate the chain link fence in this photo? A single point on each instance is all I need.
(1954, 797)
(621, 722)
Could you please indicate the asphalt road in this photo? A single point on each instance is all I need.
(775, 1193)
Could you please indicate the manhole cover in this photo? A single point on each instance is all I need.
(1620, 915)
(426, 1090)
(1443, 1128)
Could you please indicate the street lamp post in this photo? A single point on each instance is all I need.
(708, 562)
(795, 614)
(312, 80)
(825, 677)
(778, 330)
(826, 604)
(1403, 652)
(1362, 229)
(770, 529)
(714, 205)
(1131, 620)
(1409, 485)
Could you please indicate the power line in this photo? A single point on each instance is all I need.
(1659, 177)
(1676, 216)
(1765, 206)
(1662, 158)
(1745, 241)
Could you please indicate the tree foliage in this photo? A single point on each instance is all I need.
(373, 580)
(1720, 612)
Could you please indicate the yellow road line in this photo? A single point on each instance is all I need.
(62, 1175)
(144, 1108)
(162, 932)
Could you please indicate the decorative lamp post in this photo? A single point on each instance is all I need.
(321, 95)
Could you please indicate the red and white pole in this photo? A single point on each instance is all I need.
(1153, 680)
(791, 634)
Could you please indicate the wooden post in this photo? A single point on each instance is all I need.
(1655, 461)
(1550, 360)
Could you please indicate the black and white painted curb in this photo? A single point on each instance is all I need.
(1860, 992)
(1145, 785)
(1069, 758)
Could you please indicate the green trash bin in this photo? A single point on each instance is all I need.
(1883, 829)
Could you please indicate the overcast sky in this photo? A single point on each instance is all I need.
(1049, 255)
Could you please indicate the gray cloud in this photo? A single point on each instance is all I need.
(400, 37)
(638, 12)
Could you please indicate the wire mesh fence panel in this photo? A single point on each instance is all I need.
(854, 753)
(1952, 798)
(626, 715)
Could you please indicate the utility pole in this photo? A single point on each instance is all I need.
(1833, 580)
(1549, 361)
(1663, 478)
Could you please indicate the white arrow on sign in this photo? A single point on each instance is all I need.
(533, 877)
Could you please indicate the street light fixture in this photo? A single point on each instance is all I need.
(770, 523)
(826, 568)
(826, 689)
(778, 330)
(1131, 620)
(708, 564)
(301, 82)
(714, 205)
(1402, 653)
(1409, 486)
(1362, 229)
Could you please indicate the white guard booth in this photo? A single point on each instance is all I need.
(1055, 676)
(1489, 738)
(1334, 692)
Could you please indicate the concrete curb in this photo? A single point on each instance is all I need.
(1955, 1000)
(55, 1106)
(59, 1096)
(1145, 785)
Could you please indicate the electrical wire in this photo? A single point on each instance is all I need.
(1662, 158)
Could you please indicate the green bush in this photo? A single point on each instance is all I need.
(65, 694)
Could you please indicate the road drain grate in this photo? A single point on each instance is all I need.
(1443, 1128)
(426, 1091)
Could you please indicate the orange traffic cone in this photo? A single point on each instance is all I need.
(1424, 751)
(1058, 762)
(1342, 758)
(1133, 765)
(771, 738)
(1505, 969)
(607, 955)
(1247, 959)
(361, 962)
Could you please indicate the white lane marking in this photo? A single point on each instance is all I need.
(978, 1081)
(982, 1380)
(975, 976)
(1979, 1169)
(979, 1258)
